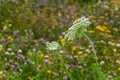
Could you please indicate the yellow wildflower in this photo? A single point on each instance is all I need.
(117, 54)
(101, 28)
(101, 17)
(74, 48)
(49, 71)
(91, 17)
(115, 29)
(110, 36)
(91, 31)
(119, 68)
(106, 14)
(93, 21)
(62, 41)
(104, 27)
(41, 55)
(79, 52)
(1, 73)
(9, 37)
(108, 31)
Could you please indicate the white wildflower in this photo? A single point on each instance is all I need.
(114, 50)
(109, 42)
(102, 62)
(53, 45)
(1, 47)
(77, 28)
(118, 61)
(88, 51)
(118, 45)
(19, 51)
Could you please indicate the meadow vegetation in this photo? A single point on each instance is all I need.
(59, 40)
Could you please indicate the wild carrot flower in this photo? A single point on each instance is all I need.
(79, 26)
(53, 45)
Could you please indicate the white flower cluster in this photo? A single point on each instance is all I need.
(79, 26)
(53, 45)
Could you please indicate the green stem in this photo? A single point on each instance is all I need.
(93, 49)
(100, 73)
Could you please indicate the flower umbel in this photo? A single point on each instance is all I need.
(53, 45)
(79, 26)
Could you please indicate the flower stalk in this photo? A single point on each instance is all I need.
(93, 48)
